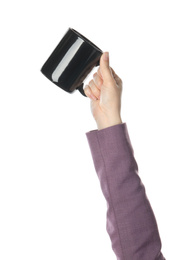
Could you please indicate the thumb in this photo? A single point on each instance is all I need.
(105, 68)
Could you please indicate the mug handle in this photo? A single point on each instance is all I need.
(80, 88)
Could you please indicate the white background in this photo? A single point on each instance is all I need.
(51, 204)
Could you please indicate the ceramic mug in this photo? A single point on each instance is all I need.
(71, 61)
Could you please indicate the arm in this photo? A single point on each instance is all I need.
(131, 224)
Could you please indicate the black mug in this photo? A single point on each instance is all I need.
(71, 61)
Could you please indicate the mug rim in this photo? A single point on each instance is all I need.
(86, 39)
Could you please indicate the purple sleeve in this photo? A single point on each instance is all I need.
(131, 224)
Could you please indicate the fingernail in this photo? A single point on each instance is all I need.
(106, 56)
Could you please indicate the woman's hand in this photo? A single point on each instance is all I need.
(105, 91)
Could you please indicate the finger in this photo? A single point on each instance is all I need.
(99, 73)
(116, 77)
(88, 92)
(97, 80)
(95, 90)
(105, 68)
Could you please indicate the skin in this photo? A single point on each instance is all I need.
(105, 90)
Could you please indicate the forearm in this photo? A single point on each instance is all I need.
(131, 224)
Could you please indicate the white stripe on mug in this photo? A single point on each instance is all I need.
(66, 59)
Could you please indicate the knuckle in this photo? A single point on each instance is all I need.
(100, 83)
(90, 82)
(97, 80)
(87, 90)
(96, 92)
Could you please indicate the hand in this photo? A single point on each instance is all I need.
(105, 91)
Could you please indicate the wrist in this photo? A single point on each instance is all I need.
(109, 122)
